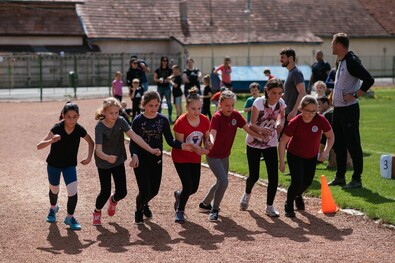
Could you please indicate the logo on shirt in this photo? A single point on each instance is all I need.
(314, 128)
(195, 137)
(233, 122)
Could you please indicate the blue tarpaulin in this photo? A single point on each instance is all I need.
(243, 76)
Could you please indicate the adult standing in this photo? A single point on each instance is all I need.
(226, 71)
(161, 77)
(133, 73)
(319, 70)
(143, 66)
(346, 112)
(191, 77)
(294, 88)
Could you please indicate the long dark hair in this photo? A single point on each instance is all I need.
(271, 84)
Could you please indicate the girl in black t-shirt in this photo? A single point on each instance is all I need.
(64, 138)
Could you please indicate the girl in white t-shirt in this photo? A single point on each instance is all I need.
(267, 118)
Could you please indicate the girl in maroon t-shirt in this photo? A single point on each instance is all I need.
(303, 135)
(223, 128)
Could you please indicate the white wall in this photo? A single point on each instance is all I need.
(44, 41)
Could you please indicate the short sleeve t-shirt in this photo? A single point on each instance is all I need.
(177, 91)
(291, 94)
(226, 127)
(64, 152)
(306, 137)
(248, 104)
(112, 141)
(267, 117)
(117, 84)
(194, 135)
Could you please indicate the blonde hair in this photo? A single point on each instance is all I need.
(118, 73)
(108, 102)
(227, 94)
(320, 83)
(193, 94)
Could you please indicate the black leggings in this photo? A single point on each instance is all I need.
(148, 176)
(119, 175)
(302, 175)
(189, 174)
(271, 160)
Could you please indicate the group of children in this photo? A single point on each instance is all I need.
(265, 122)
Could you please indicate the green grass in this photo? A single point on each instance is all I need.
(377, 197)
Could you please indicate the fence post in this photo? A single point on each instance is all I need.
(40, 62)
(109, 74)
(76, 76)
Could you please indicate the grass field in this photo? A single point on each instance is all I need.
(377, 197)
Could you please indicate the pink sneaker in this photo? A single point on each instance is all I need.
(96, 218)
(111, 206)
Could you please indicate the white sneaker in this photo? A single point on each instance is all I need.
(244, 201)
(270, 211)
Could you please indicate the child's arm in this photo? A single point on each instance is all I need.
(254, 117)
(330, 140)
(140, 141)
(252, 133)
(91, 146)
(103, 156)
(281, 118)
(281, 151)
(48, 139)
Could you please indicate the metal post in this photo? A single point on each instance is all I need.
(75, 71)
(248, 12)
(40, 62)
(109, 74)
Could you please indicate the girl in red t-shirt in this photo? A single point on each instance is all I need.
(223, 128)
(191, 127)
(303, 135)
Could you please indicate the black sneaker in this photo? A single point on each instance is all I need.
(337, 181)
(289, 210)
(353, 184)
(147, 212)
(299, 203)
(213, 215)
(177, 201)
(205, 208)
(138, 217)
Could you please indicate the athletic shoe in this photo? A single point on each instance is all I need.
(180, 217)
(205, 208)
(337, 181)
(177, 202)
(111, 206)
(72, 222)
(147, 212)
(270, 211)
(96, 219)
(213, 215)
(299, 203)
(244, 201)
(353, 184)
(138, 217)
(289, 210)
(52, 214)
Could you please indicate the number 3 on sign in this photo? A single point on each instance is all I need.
(386, 166)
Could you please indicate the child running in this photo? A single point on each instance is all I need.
(223, 130)
(267, 118)
(110, 155)
(303, 135)
(192, 127)
(151, 126)
(64, 138)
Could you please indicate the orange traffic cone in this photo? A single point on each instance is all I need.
(328, 205)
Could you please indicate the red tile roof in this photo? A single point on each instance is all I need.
(271, 21)
(383, 11)
(39, 18)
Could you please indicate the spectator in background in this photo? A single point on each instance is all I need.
(294, 88)
(320, 89)
(176, 82)
(191, 77)
(226, 71)
(254, 90)
(143, 66)
(117, 85)
(319, 70)
(268, 73)
(206, 96)
(161, 77)
(346, 112)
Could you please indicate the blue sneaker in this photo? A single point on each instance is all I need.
(180, 217)
(52, 214)
(213, 217)
(72, 222)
